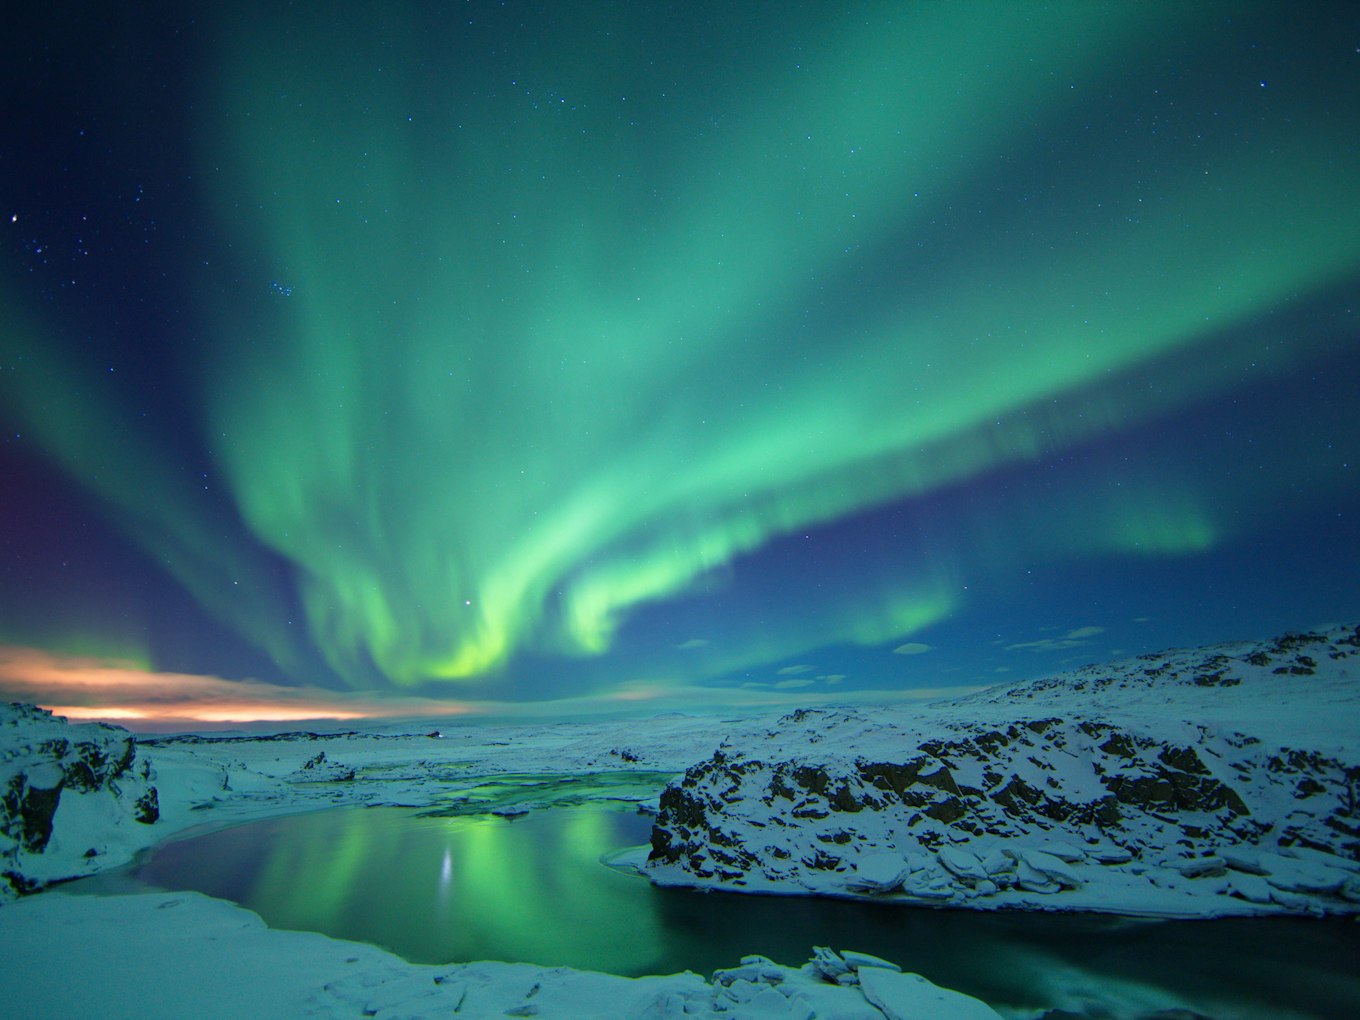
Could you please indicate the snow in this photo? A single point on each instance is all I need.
(183, 954)
(912, 997)
(1232, 770)
(1052, 869)
(1133, 788)
(881, 872)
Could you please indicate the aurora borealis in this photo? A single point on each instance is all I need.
(635, 351)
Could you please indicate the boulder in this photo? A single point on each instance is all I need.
(858, 960)
(1244, 860)
(1051, 867)
(997, 862)
(963, 864)
(1033, 880)
(320, 769)
(1064, 852)
(1200, 867)
(1252, 888)
(878, 873)
(1110, 854)
(828, 963)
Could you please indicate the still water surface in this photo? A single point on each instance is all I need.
(439, 890)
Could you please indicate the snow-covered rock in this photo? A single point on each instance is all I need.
(879, 873)
(963, 864)
(1198, 867)
(1051, 868)
(319, 769)
(73, 799)
(1129, 787)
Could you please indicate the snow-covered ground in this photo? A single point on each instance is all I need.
(1195, 783)
(175, 955)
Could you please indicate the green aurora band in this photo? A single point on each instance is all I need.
(565, 333)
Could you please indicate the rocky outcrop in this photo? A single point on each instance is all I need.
(63, 788)
(320, 769)
(1101, 812)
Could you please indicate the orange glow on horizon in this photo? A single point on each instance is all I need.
(96, 713)
(89, 689)
(216, 714)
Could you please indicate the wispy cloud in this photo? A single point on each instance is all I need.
(794, 683)
(693, 643)
(795, 670)
(1074, 638)
(912, 648)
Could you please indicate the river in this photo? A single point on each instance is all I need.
(532, 889)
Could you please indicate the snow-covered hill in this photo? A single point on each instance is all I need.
(1214, 781)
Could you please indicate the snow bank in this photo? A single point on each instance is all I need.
(182, 954)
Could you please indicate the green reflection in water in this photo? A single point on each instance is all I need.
(447, 889)
(437, 889)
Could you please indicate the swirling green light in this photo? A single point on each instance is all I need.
(507, 341)
(527, 380)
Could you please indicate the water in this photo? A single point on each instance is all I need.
(447, 889)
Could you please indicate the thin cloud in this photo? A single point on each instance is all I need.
(913, 648)
(795, 670)
(692, 643)
(1074, 638)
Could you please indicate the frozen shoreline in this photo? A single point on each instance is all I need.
(171, 955)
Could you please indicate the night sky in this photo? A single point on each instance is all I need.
(398, 358)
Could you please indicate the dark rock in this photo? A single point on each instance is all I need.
(147, 808)
(949, 810)
(1182, 758)
(823, 861)
(29, 811)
